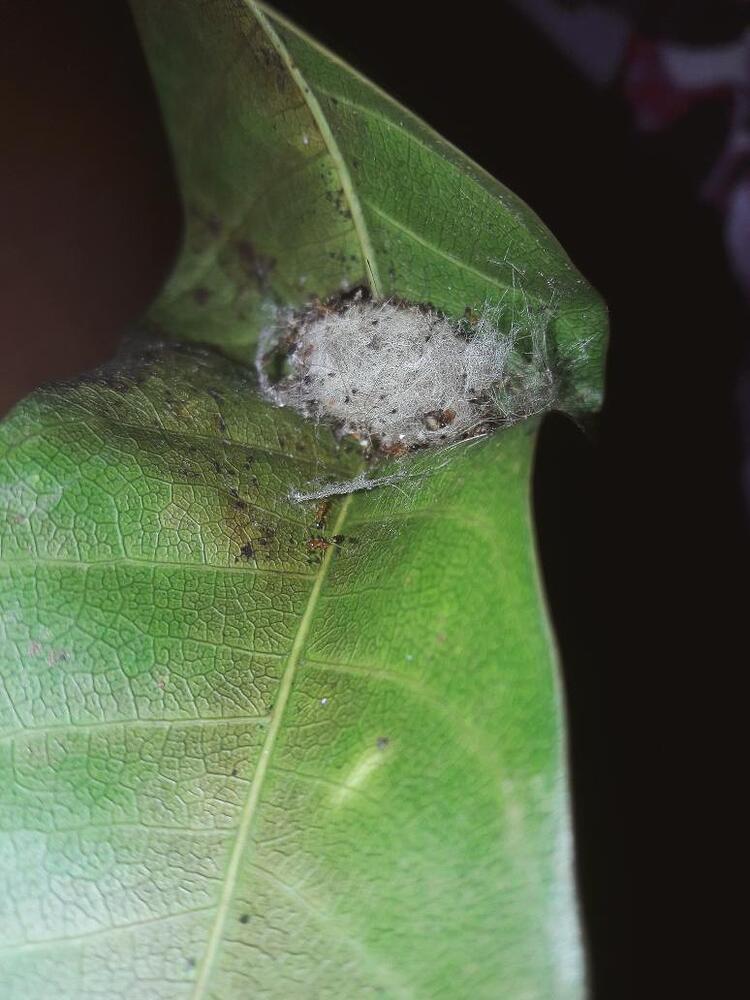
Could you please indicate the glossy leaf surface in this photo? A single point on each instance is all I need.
(300, 178)
(251, 747)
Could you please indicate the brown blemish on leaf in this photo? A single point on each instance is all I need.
(257, 266)
(321, 514)
(395, 450)
(436, 419)
(272, 62)
(318, 544)
(239, 525)
(247, 551)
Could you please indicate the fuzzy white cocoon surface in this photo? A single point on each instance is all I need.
(399, 376)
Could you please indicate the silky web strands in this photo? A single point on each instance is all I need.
(399, 377)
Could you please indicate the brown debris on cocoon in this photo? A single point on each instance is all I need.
(400, 377)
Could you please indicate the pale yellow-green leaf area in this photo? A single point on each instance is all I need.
(236, 762)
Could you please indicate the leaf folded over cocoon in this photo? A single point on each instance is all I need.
(258, 739)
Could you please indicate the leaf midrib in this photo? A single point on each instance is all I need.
(250, 808)
(358, 219)
(419, 132)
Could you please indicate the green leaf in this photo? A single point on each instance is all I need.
(244, 752)
(300, 178)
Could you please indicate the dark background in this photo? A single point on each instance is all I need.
(641, 524)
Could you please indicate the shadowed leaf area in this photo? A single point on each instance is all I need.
(255, 747)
